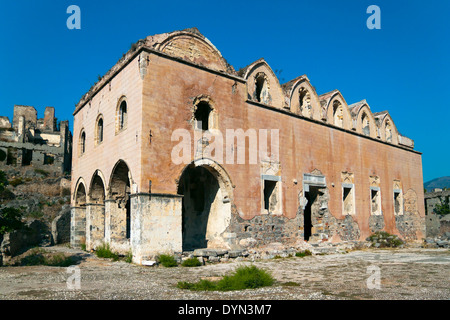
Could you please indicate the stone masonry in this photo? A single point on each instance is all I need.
(343, 172)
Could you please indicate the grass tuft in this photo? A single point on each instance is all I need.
(167, 261)
(244, 277)
(41, 257)
(303, 253)
(104, 251)
(191, 262)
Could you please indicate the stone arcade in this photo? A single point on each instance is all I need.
(343, 172)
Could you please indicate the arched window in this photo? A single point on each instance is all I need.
(122, 116)
(305, 102)
(82, 142)
(365, 125)
(261, 88)
(388, 131)
(202, 116)
(99, 131)
(338, 114)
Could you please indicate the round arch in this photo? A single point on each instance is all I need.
(80, 193)
(97, 188)
(120, 179)
(206, 206)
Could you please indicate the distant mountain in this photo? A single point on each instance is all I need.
(442, 182)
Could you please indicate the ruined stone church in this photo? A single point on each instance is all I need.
(343, 171)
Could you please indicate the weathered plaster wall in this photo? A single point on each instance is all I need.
(125, 144)
(304, 146)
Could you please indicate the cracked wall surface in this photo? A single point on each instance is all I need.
(310, 136)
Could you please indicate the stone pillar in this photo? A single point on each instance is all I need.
(116, 223)
(95, 225)
(156, 225)
(108, 204)
(49, 119)
(21, 129)
(78, 226)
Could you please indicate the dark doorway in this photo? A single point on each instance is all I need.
(27, 157)
(128, 218)
(269, 194)
(311, 196)
(199, 188)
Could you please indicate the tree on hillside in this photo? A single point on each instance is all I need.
(443, 208)
(10, 218)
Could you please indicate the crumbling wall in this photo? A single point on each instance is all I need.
(376, 223)
(436, 225)
(410, 224)
(262, 229)
(326, 226)
(4, 123)
(35, 143)
(28, 113)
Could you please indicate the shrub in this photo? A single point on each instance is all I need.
(59, 260)
(167, 261)
(17, 181)
(3, 181)
(443, 208)
(41, 257)
(65, 192)
(42, 172)
(385, 239)
(129, 257)
(246, 278)
(10, 220)
(303, 253)
(104, 251)
(191, 262)
(36, 214)
(243, 278)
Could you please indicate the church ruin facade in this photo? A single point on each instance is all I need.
(342, 171)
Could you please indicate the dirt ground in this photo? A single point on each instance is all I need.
(409, 273)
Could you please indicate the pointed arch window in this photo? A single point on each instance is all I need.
(338, 114)
(305, 102)
(365, 124)
(262, 88)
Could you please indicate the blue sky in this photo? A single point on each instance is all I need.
(401, 68)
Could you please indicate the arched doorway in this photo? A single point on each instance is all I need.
(78, 216)
(95, 212)
(119, 204)
(206, 206)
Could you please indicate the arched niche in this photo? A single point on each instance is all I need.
(302, 98)
(262, 84)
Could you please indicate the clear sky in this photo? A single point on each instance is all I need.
(402, 67)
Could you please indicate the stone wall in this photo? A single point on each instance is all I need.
(35, 142)
(436, 225)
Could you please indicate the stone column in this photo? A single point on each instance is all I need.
(95, 225)
(109, 203)
(117, 227)
(78, 226)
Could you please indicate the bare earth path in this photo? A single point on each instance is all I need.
(404, 274)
